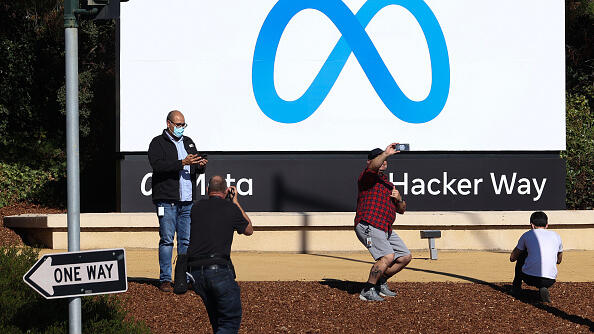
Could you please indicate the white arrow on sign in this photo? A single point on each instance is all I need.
(48, 276)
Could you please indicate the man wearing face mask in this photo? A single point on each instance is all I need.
(176, 163)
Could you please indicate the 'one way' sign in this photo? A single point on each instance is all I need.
(76, 274)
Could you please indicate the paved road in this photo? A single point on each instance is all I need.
(462, 266)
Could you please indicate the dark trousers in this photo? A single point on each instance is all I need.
(535, 281)
(221, 296)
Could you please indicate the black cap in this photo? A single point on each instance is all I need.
(374, 153)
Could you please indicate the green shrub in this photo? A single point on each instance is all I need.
(32, 102)
(19, 183)
(579, 156)
(14, 263)
(25, 311)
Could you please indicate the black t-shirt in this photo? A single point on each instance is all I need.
(211, 230)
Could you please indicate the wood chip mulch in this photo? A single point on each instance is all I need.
(333, 306)
(8, 236)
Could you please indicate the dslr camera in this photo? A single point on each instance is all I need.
(230, 194)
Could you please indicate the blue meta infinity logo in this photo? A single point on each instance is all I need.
(354, 39)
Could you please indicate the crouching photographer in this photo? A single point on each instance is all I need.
(213, 222)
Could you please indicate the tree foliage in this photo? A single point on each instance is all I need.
(32, 97)
(579, 156)
(580, 152)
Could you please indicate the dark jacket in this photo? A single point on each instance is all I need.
(162, 156)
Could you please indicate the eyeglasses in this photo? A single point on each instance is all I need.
(178, 125)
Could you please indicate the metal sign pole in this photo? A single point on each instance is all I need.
(72, 151)
(112, 10)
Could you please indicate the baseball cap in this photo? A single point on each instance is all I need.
(374, 153)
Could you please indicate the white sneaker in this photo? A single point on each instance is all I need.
(384, 291)
(370, 295)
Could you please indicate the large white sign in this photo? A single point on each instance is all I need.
(321, 75)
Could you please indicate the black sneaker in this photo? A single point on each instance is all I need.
(180, 285)
(516, 291)
(545, 296)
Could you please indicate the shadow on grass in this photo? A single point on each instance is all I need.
(531, 297)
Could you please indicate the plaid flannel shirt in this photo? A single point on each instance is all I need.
(374, 204)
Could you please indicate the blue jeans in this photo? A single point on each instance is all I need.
(221, 296)
(175, 218)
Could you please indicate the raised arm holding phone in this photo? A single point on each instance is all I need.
(378, 202)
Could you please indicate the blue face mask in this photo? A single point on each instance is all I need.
(178, 132)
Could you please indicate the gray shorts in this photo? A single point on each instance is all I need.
(379, 243)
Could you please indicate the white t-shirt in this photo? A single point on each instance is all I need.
(543, 246)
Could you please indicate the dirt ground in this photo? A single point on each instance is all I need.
(453, 266)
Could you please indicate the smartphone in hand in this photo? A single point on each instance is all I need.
(402, 147)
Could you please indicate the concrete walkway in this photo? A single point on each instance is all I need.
(462, 266)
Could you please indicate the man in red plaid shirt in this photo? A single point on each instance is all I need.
(377, 205)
